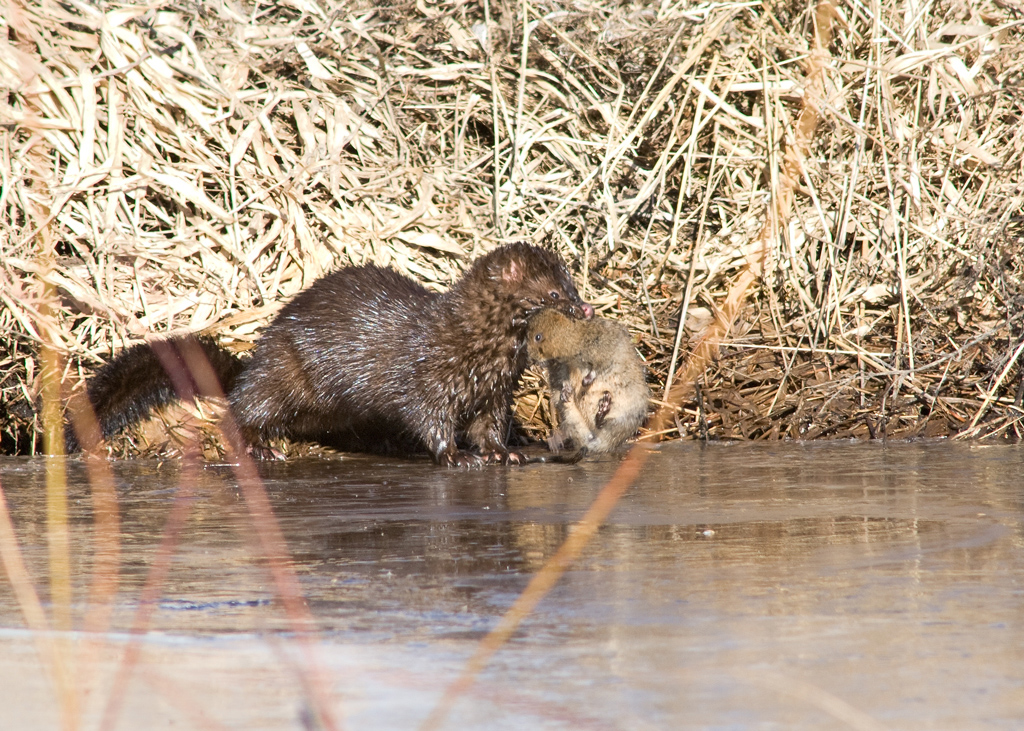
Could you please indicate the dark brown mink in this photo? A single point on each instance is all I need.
(127, 389)
(367, 359)
(597, 380)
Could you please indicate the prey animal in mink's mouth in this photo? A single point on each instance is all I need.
(598, 382)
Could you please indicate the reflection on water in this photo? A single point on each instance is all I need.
(743, 586)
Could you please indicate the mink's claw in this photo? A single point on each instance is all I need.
(507, 457)
(460, 459)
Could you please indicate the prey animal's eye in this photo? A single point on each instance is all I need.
(538, 337)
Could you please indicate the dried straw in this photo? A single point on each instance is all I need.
(192, 167)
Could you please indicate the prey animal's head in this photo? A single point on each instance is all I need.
(551, 335)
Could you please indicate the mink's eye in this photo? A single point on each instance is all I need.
(553, 295)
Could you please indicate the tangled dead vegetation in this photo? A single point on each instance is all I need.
(191, 166)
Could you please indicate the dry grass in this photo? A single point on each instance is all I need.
(809, 241)
(189, 168)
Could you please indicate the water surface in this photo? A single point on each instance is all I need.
(784, 586)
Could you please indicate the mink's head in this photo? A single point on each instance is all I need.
(550, 335)
(532, 278)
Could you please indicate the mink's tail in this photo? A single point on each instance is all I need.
(143, 377)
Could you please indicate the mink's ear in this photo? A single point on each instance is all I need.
(512, 272)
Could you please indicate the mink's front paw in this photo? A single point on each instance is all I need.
(460, 459)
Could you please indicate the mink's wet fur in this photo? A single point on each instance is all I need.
(128, 389)
(367, 359)
(597, 380)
